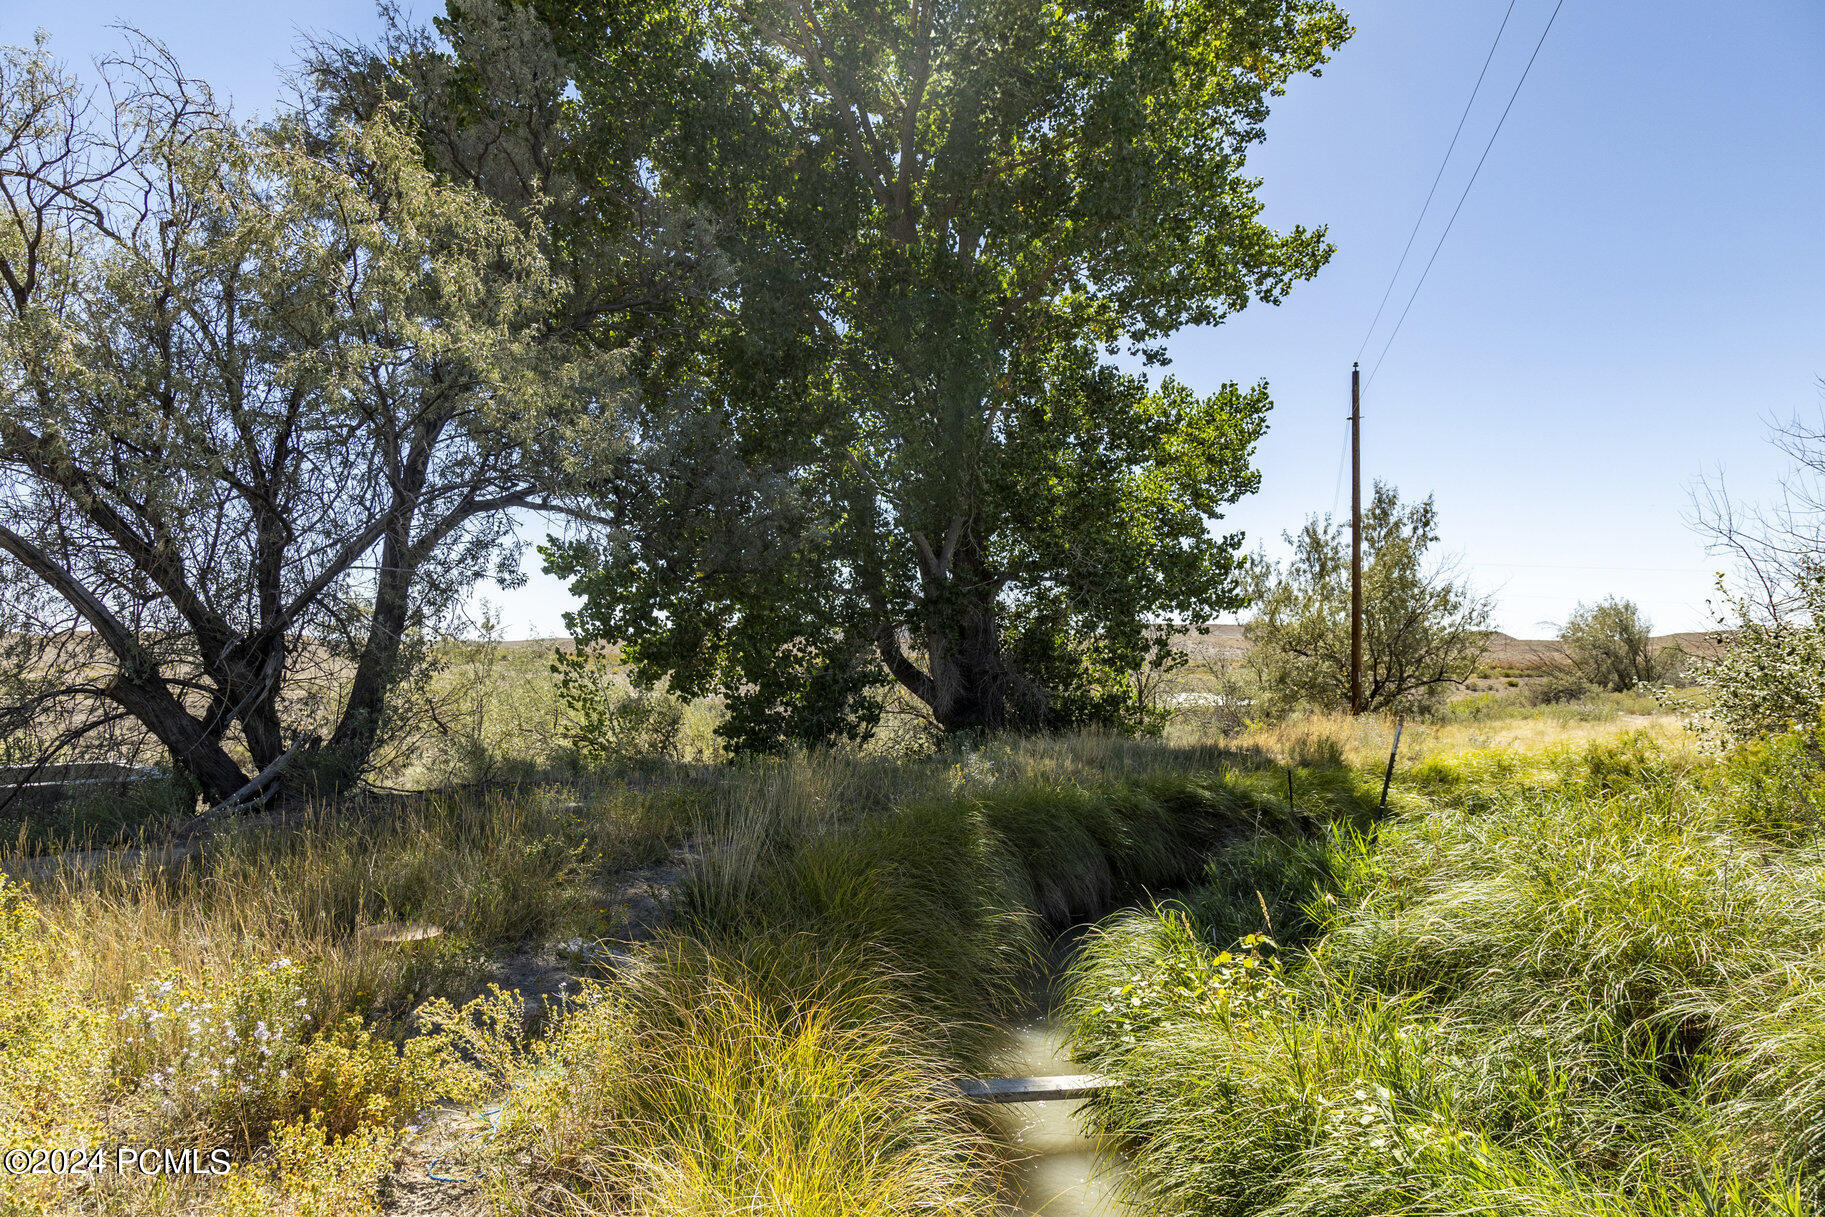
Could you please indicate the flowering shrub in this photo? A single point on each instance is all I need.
(348, 1079)
(218, 1057)
(1770, 676)
(52, 1057)
(309, 1173)
(241, 1054)
(488, 1036)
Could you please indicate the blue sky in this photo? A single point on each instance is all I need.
(1635, 285)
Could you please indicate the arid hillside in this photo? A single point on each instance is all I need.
(1517, 656)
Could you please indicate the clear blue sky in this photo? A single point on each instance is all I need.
(1636, 283)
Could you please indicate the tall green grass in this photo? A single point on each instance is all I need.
(841, 953)
(1581, 982)
(850, 931)
(229, 997)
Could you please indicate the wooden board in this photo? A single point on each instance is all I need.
(1034, 1090)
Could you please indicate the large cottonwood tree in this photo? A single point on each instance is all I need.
(903, 452)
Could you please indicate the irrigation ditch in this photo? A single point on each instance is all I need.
(1059, 1168)
(1036, 1104)
(822, 957)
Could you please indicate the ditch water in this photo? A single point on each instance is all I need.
(1059, 1170)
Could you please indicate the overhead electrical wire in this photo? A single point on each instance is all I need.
(1414, 295)
(1342, 456)
(1436, 179)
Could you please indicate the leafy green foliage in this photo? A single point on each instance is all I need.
(1770, 677)
(1776, 784)
(1610, 644)
(903, 429)
(1424, 628)
(1158, 969)
(1558, 689)
(608, 722)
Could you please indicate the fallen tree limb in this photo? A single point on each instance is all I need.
(263, 786)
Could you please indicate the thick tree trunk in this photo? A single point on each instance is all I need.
(974, 687)
(972, 683)
(969, 684)
(247, 693)
(192, 750)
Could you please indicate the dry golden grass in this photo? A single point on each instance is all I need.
(1364, 742)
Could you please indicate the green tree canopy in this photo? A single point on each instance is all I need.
(267, 398)
(901, 451)
(1611, 644)
(1423, 627)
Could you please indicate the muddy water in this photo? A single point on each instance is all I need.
(1059, 1171)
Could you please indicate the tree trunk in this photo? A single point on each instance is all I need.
(969, 676)
(970, 685)
(352, 743)
(975, 688)
(260, 727)
(247, 693)
(192, 751)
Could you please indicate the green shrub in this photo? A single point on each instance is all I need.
(218, 1058)
(1610, 644)
(308, 1173)
(229, 1058)
(1158, 969)
(349, 1079)
(607, 720)
(1557, 689)
(1775, 786)
(1474, 709)
(1769, 675)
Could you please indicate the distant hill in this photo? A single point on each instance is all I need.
(1225, 640)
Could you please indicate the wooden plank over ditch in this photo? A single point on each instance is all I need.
(1034, 1090)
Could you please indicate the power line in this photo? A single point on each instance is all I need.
(1467, 185)
(1436, 178)
(1343, 454)
(1604, 566)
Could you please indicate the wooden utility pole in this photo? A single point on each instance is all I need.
(1355, 538)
